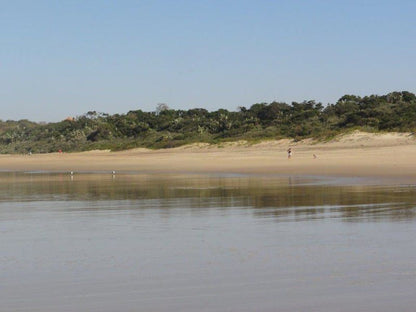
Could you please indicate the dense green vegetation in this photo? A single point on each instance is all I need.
(166, 127)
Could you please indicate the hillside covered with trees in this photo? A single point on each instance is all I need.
(166, 128)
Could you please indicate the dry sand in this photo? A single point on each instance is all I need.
(390, 155)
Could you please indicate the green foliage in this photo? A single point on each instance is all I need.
(167, 128)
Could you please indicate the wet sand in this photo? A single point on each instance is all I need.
(390, 155)
(204, 243)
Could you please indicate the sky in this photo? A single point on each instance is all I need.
(66, 57)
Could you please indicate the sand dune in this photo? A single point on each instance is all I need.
(357, 154)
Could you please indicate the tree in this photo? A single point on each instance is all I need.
(160, 107)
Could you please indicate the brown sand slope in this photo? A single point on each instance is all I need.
(356, 154)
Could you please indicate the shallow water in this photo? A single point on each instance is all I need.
(98, 242)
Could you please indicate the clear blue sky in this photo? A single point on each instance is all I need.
(63, 58)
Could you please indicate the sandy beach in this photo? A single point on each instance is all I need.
(390, 155)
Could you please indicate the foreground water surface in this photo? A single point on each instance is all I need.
(103, 242)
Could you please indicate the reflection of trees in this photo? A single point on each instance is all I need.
(394, 211)
(281, 199)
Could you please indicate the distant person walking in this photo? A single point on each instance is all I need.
(289, 153)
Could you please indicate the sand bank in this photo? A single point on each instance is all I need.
(354, 155)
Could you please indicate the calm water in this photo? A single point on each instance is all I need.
(95, 242)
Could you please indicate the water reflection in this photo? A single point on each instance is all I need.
(280, 199)
(192, 243)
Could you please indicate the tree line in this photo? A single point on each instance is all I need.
(166, 128)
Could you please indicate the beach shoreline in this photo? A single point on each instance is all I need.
(359, 154)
